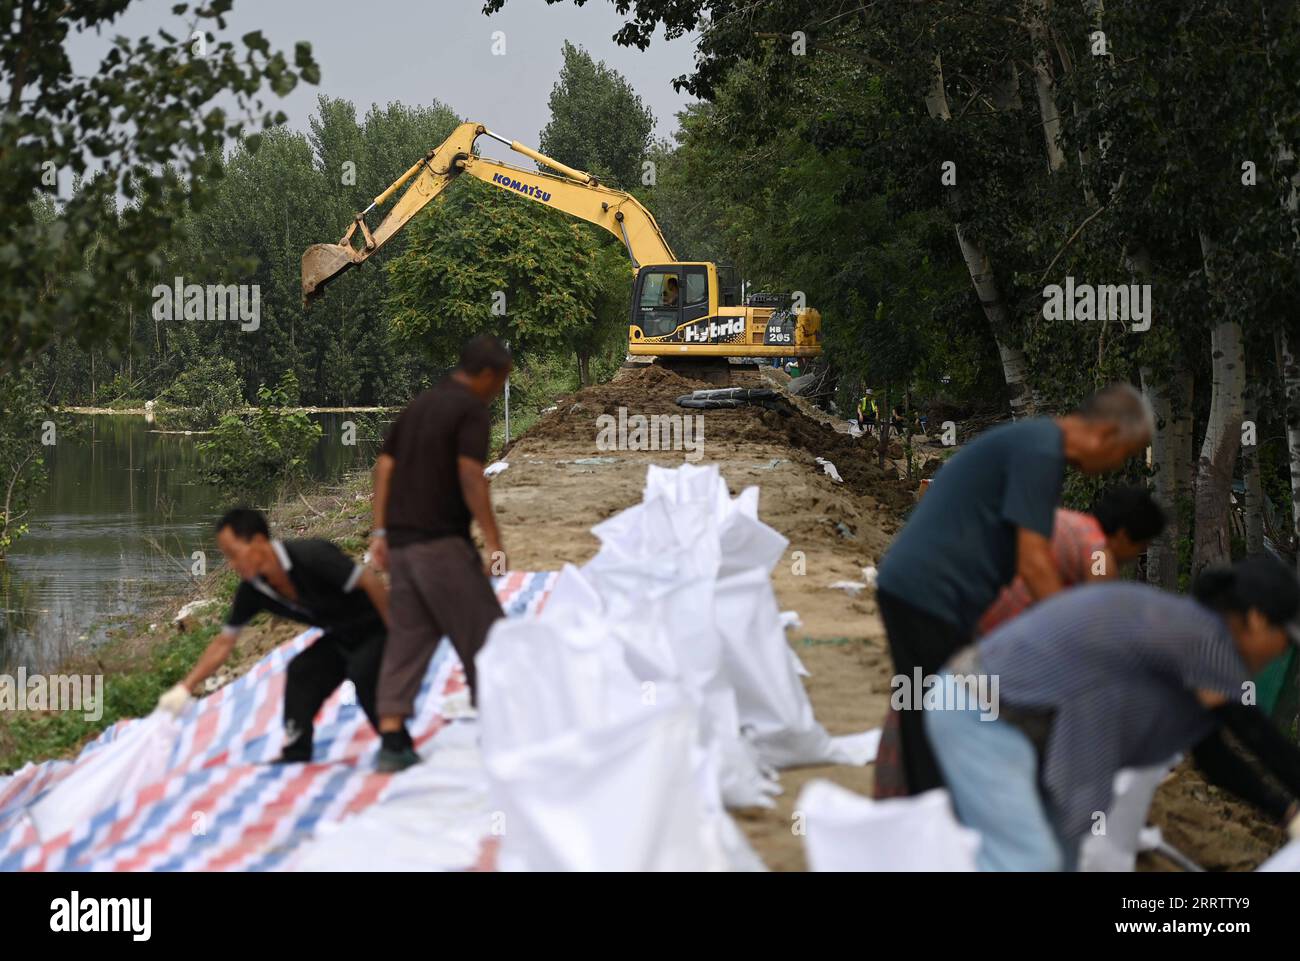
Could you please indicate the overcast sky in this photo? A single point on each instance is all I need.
(418, 51)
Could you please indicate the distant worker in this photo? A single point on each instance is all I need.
(428, 485)
(868, 412)
(1112, 676)
(1085, 547)
(988, 518)
(313, 582)
(899, 422)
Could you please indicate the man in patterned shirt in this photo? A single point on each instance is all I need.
(1087, 547)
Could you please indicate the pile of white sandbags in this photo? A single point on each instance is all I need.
(656, 687)
(589, 766)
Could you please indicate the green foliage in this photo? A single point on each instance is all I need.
(253, 456)
(481, 260)
(22, 464)
(894, 297)
(1167, 158)
(39, 735)
(598, 123)
(269, 205)
(145, 125)
(206, 392)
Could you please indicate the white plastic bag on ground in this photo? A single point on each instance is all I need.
(133, 761)
(844, 831)
(655, 577)
(698, 563)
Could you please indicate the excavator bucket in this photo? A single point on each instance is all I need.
(320, 265)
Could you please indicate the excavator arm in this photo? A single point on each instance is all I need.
(571, 191)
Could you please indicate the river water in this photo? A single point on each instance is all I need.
(117, 527)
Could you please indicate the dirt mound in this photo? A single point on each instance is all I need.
(1210, 826)
(654, 390)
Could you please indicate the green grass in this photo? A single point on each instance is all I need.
(32, 736)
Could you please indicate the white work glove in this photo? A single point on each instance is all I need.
(174, 700)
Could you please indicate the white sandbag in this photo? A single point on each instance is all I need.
(655, 579)
(1287, 859)
(545, 677)
(696, 565)
(617, 798)
(134, 760)
(844, 831)
(589, 763)
(770, 695)
(1116, 848)
(858, 749)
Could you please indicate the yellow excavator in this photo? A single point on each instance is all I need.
(680, 309)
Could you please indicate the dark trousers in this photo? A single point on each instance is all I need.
(437, 587)
(317, 672)
(917, 639)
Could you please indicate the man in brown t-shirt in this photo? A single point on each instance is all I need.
(429, 484)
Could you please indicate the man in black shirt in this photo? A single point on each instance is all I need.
(312, 582)
(429, 484)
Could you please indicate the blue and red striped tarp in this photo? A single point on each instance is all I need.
(222, 806)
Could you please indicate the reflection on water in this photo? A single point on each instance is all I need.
(124, 513)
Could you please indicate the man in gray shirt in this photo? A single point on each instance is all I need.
(1109, 676)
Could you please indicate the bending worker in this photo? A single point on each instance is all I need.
(313, 582)
(987, 518)
(1109, 676)
(1085, 548)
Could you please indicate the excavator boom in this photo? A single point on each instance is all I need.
(571, 191)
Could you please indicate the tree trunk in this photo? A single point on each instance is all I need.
(1254, 499)
(981, 275)
(1291, 384)
(999, 318)
(584, 369)
(884, 420)
(1218, 456)
(1044, 84)
(1171, 460)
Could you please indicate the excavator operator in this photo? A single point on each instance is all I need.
(670, 292)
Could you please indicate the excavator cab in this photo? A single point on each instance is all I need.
(668, 296)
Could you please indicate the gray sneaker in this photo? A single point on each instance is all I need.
(390, 762)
